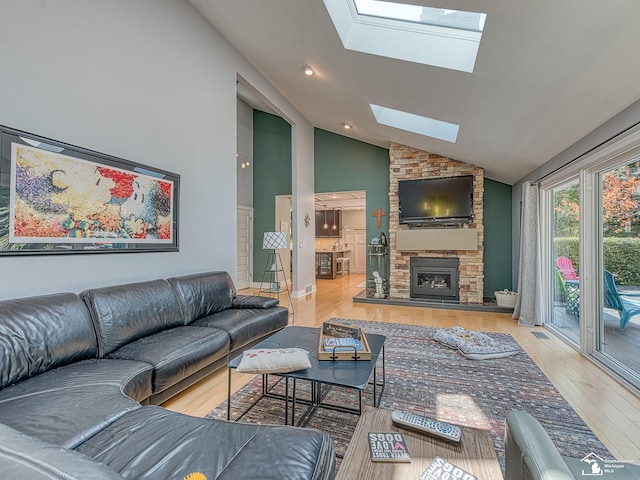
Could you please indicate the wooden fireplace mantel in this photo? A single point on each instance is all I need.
(434, 239)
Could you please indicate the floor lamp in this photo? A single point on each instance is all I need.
(274, 241)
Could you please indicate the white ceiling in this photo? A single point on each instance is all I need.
(547, 74)
(354, 200)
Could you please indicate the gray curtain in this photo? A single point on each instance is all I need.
(527, 310)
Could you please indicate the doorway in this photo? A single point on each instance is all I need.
(283, 210)
(245, 253)
(350, 208)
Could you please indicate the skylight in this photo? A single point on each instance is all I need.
(419, 14)
(431, 36)
(415, 123)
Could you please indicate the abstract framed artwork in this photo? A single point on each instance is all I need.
(57, 198)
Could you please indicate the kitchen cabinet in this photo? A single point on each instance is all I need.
(331, 218)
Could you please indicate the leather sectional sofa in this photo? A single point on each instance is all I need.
(531, 455)
(80, 374)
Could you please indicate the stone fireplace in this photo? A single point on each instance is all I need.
(434, 278)
(462, 244)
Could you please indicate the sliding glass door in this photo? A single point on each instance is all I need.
(564, 210)
(618, 319)
(590, 224)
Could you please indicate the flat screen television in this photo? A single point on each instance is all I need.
(436, 200)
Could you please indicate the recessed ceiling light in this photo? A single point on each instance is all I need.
(346, 126)
(308, 70)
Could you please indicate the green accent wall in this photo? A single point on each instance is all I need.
(271, 177)
(497, 237)
(342, 164)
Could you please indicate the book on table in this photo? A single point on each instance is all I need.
(339, 329)
(441, 469)
(341, 344)
(388, 447)
(343, 348)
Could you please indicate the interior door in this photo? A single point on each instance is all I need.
(245, 227)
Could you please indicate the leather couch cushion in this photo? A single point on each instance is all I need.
(125, 313)
(27, 458)
(176, 353)
(246, 325)
(220, 450)
(67, 405)
(204, 294)
(43, 332)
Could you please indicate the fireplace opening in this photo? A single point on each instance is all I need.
(434, 278)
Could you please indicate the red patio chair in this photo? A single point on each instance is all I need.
(566, 268)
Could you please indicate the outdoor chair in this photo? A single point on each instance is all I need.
(628, 304)
(566, 268)
(560, 287)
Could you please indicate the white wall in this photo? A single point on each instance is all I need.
(146, 80)
(616, 125)
(304, 252)
(354, 219)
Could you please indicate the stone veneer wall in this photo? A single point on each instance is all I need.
(407, 163)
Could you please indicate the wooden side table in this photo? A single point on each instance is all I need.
(474, 453)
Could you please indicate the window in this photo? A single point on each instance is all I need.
(443, 17)
(415, 123)
(431, 36)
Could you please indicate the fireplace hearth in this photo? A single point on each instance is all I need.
(434, 278)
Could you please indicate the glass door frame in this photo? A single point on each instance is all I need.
(618, 158)
(616, 152)
(547, 188)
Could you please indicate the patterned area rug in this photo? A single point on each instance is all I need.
(429, 379)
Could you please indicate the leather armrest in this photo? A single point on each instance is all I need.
(529, 451)
(25, 457)
(254, 301)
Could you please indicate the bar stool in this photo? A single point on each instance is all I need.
(342, 265)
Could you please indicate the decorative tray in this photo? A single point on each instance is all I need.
(344, 352)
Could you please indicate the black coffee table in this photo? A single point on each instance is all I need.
(323, 373)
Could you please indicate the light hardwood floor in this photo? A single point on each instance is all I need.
(610, 410)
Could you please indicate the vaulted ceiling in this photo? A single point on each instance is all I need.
(547, 74)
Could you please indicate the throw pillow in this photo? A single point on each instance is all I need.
(449, 337)
(273, 360)
(487, 352)
(473, 345)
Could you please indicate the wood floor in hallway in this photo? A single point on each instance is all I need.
(610, 410)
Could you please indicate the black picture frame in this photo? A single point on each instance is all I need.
(58, 198)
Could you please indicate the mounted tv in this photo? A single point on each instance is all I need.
(436, 200)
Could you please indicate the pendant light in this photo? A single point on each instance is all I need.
(326, 225)
(334, 227)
